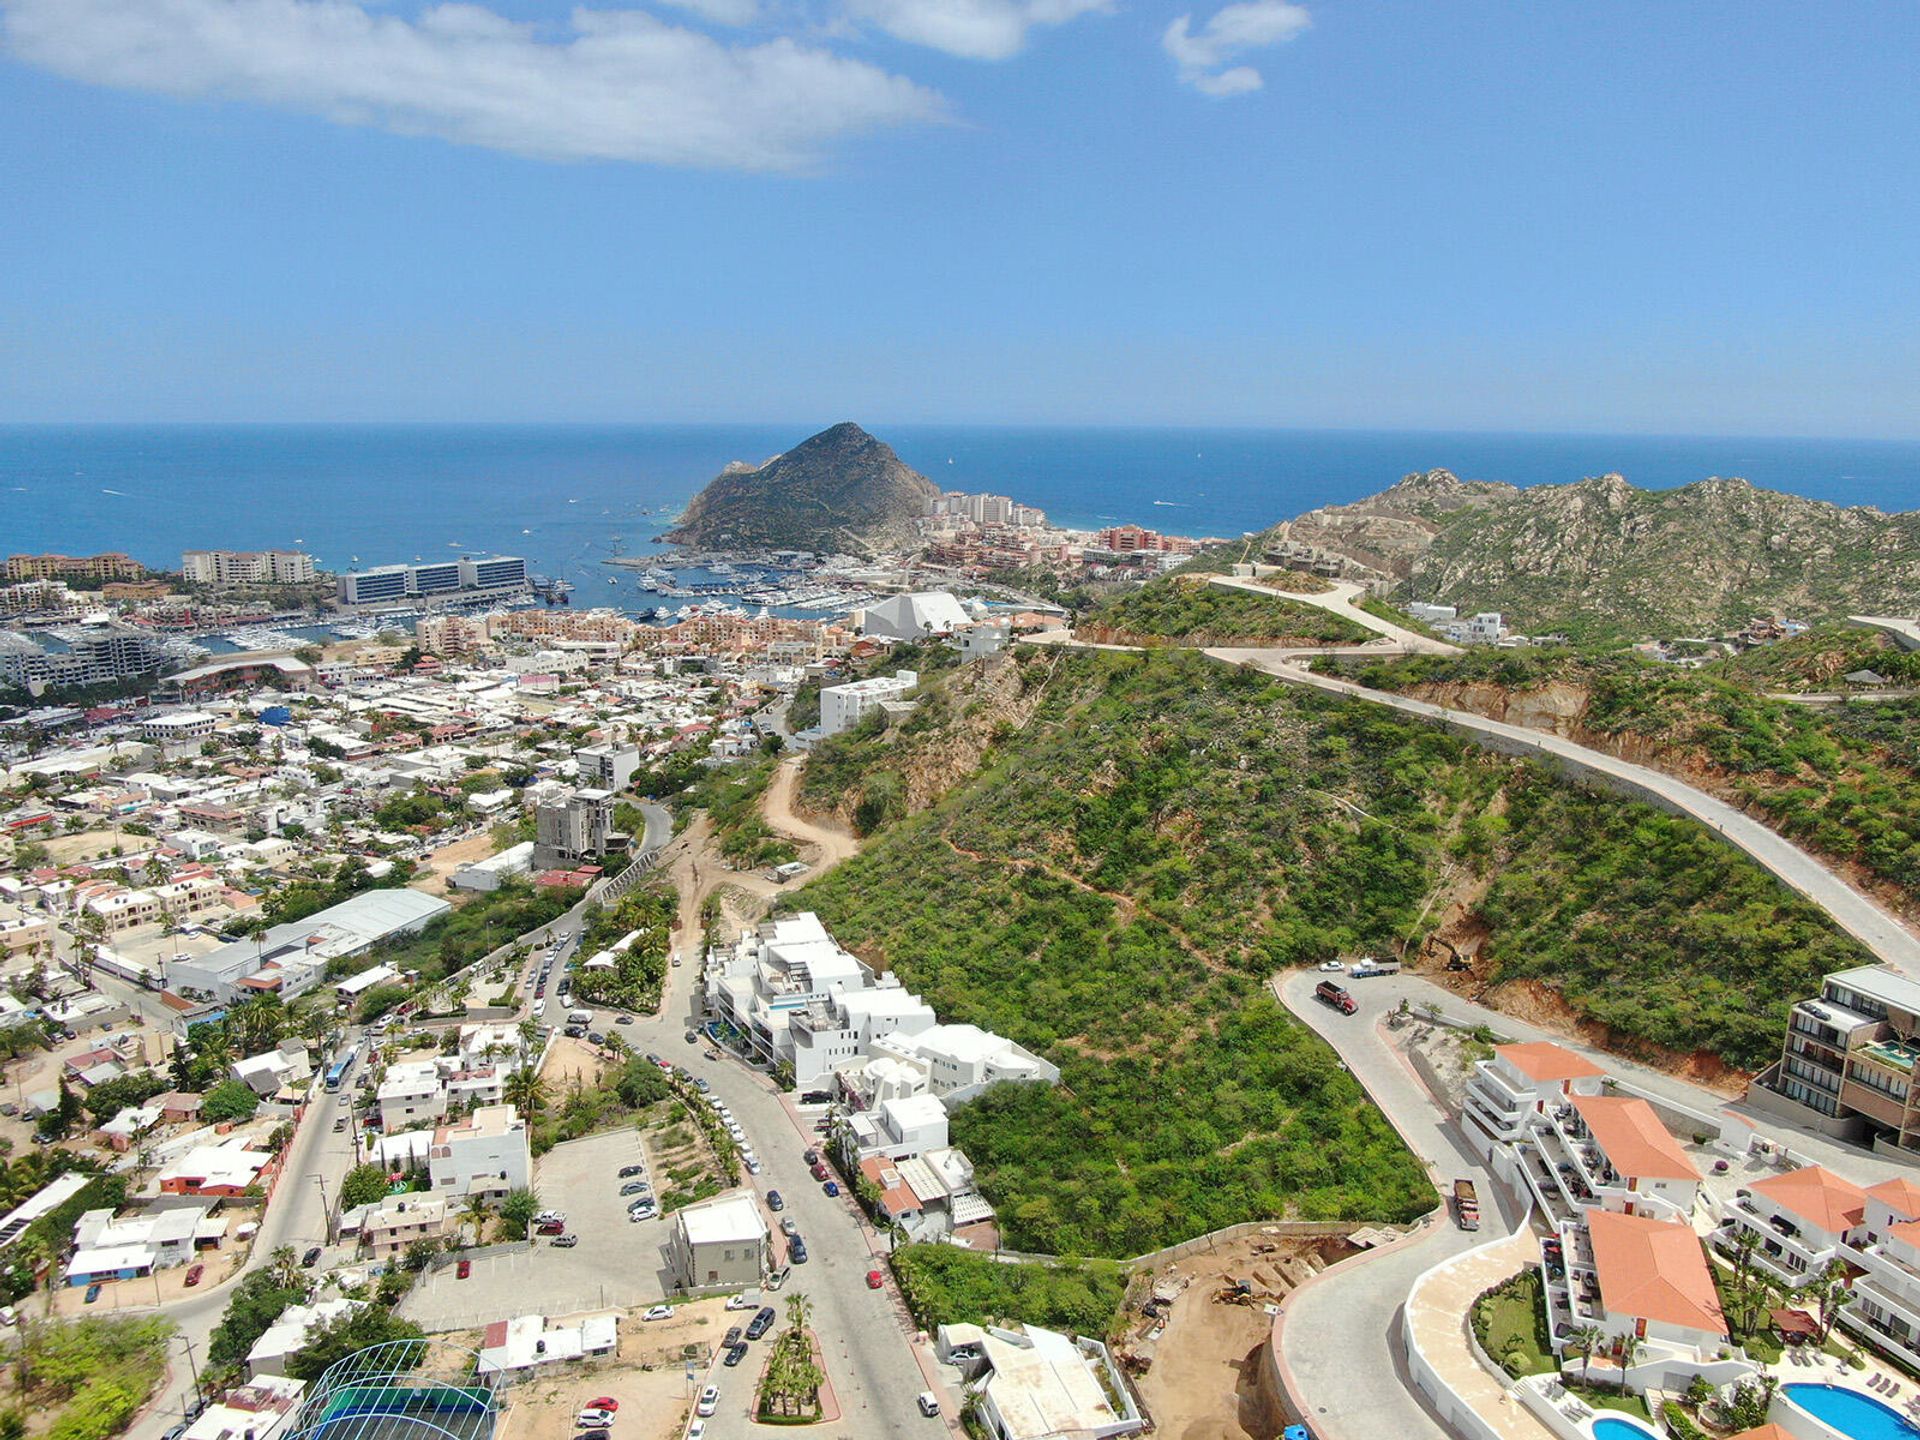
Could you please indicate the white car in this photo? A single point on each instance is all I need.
(697, 1430)
(709, 1401)
(551, 1217)
(592, 1419)
(753, 1167)
(659, 1312)
(1331, 966)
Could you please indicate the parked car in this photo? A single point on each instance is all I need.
(594, 1037)
(753, 1166)
(732, 1337)
(93, 1293)
(812, 1157)
(551, 1217)
(194, 1272)
(339, 1124)
(797, 1253)
(594, 1435)
(736, 1352)
(739, 1302)
(709, 1401)
(693, 1037)
(701, 1085)
(636, 1187)
(551, 1227)
(659, 1312)
(627, 1172)
(774, 1202)
(624, 1020)
(463, 1270)
(591, 1419)
(818, 1171)
(311, 1258)
(762, 1322)
(697, 1430)
(832, 1187)
(1331, 966)
(649, 1213)
(603, 1402)
(565, 1242)
(875, 1280)
(652, 1059)
(789, 1227)
(929, 1403)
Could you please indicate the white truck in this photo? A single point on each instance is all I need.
(1361, 969)
(580, 1017)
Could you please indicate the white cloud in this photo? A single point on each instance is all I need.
(616, 85)
(721, 12)
(1251, 25)
(973, 29)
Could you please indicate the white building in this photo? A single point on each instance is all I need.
(178, 726)
(914, 617)
(1800, 1220)
(489, 874)
(258, 1410)
(1652, 1284)
(801, 1001)
(1518, 1085)
(520, 1345)
(1036, 1384)
(411, 1092)
(161, 1238)
(609, 766)
(719, 1244)
(842, 706)
(290, 959)
(485, 1155)
(285, 1337)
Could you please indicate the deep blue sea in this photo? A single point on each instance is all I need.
(566, 497)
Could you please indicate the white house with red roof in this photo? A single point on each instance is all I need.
(1647, 1281)
(1519, 1084)
(1800, 1221)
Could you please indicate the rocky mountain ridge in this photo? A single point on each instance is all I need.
(1600, 558)
(839, 490)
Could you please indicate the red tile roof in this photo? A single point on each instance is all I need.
(1817, 1195)
(1654, 1270)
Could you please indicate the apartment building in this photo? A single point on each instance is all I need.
(247, 567)
(433, 580)
(720, 1243)
(1521, 1083)
(1799, 1222)
(390, 1227)
(1846, 1065)
(842, 706)
(486, 1154)
(609, 766)
(1639, 1279)
(109, 566)
(411, 1093)
(580, 827)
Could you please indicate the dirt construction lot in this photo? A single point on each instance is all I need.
(1204, 1380)
(437, 868)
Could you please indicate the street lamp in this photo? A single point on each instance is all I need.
(192, 1369)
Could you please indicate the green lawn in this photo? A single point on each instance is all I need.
(1510, 1323)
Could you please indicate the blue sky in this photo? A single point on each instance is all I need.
(1623, 217)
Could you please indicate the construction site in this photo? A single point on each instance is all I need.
(1193, 1328)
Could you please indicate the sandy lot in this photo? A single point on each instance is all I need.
(92, 845)
(436, 869)
(648, 1377)
(1204, 1382)
(570, 1058)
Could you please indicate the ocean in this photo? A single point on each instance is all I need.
(568, 497)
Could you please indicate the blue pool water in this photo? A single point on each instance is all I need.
(1857, 1415)
(1612, 1427)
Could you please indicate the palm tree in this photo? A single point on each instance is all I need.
(284, 1265)
(799, 1311)
(525, 1091)
(1833, 1295)
(1743, 1243)
(1585, 1339)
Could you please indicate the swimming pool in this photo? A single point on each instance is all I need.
(1613, 1427)
(1860, 1416)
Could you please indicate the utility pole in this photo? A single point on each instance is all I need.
(326, 1209)
(192, 1369)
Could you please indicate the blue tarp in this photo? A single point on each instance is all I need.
(276, 715)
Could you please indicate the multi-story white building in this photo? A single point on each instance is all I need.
(1517, 1087)
(485, 1155)
(719, 1243)
(394, 1224)
(412, 1093)
(1627, 1159)
(1800, 1220)
(178, 726)
(799, 1001)
(247, 567)
(841, 706)
(609, 766)
(1640, 1279)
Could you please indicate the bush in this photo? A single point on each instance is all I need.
(229, 1100)
(945, 1285)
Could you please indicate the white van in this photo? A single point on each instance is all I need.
(580, 1017)
(929, 1403)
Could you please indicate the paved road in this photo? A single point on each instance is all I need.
(1892, 942)
(1342, 600)
(1347, 1324)
(296, 1217)
(869, 1355)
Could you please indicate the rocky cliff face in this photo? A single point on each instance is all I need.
(1600, 558)
(840, 490)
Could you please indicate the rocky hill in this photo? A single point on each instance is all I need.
(840, 490)
(1601, 559)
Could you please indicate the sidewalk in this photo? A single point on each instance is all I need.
(1438, 1325)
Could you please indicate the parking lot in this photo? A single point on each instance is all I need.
(616, 1263)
